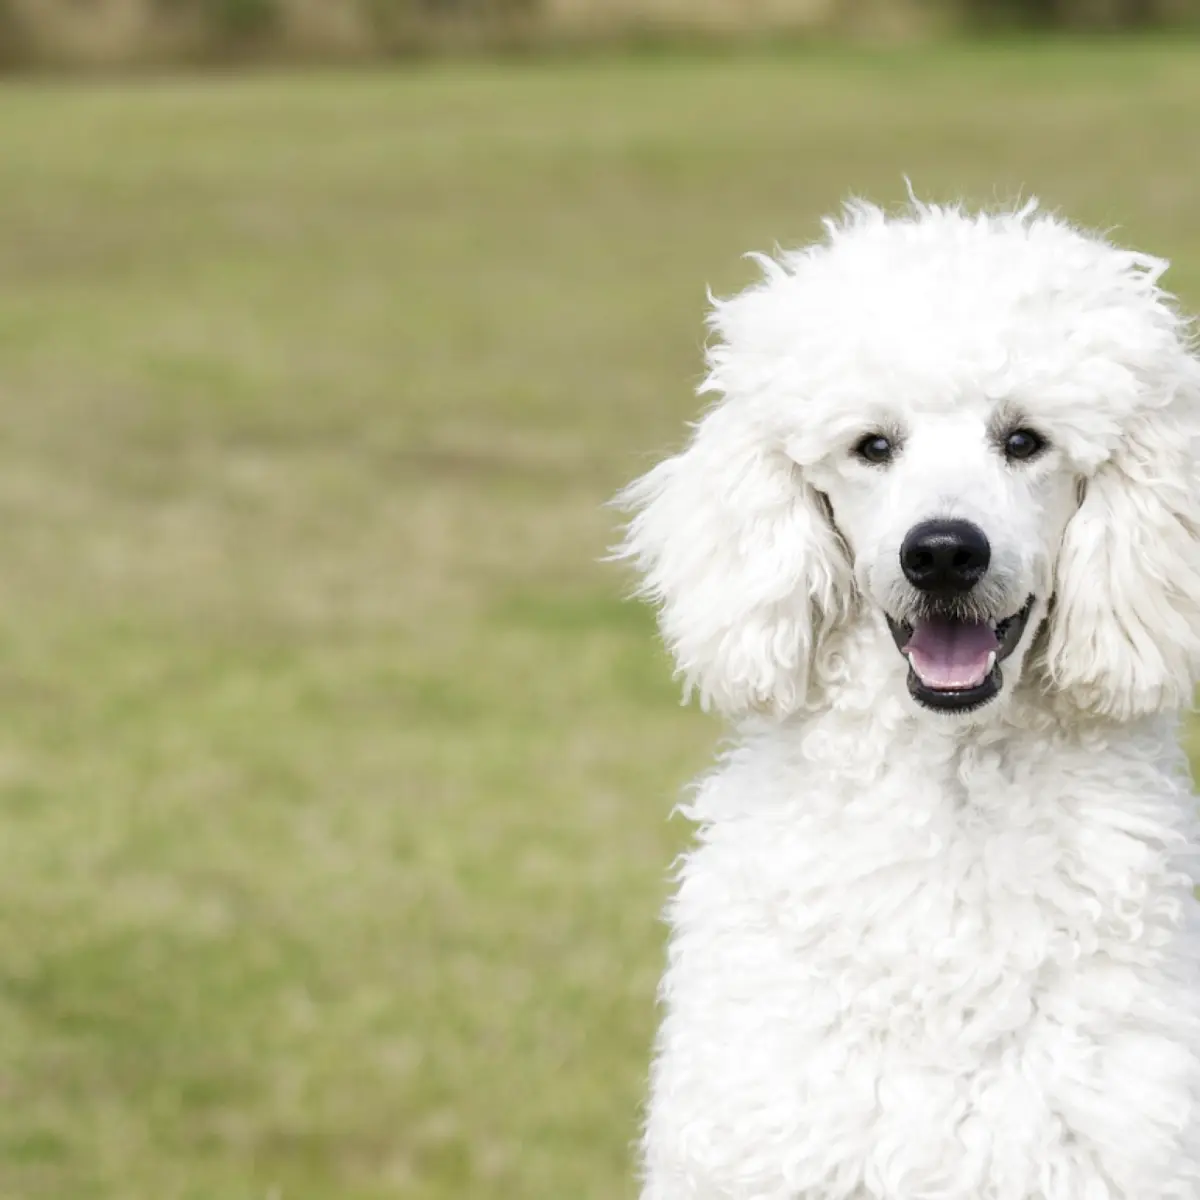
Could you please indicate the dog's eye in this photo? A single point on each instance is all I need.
(1023, 444)
(874, 448)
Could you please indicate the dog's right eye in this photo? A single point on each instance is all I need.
(875, 449)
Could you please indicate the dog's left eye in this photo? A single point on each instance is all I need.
(874, 448)
(1023, 444)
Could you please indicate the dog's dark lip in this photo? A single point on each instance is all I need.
(962, 700)
(958, 700)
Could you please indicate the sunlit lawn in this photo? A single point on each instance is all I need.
(334, 774)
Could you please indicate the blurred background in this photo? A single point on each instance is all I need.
(335, 773)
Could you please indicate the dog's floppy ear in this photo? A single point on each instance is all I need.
(1124, 633)
(739, 555)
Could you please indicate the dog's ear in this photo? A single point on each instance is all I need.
(740, 556)
(1124, 632)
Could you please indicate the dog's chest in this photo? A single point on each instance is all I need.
(947, 997)
(945, 931)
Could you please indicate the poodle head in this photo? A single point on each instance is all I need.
(976, 432)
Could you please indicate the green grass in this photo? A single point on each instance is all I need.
(334, 774)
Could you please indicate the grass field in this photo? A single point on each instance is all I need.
(334, 774)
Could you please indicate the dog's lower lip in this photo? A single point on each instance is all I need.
(955, 700)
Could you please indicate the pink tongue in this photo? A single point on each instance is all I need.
(951, 654)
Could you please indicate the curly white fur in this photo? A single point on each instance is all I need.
(916, 956)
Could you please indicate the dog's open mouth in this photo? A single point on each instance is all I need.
(954, 663)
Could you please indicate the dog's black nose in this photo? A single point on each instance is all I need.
(945, 557)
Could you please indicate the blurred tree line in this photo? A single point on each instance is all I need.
(131, 31)
(1079, 14)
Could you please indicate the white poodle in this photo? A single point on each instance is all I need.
(935, 554)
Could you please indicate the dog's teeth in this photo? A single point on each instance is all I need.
(991, 662)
